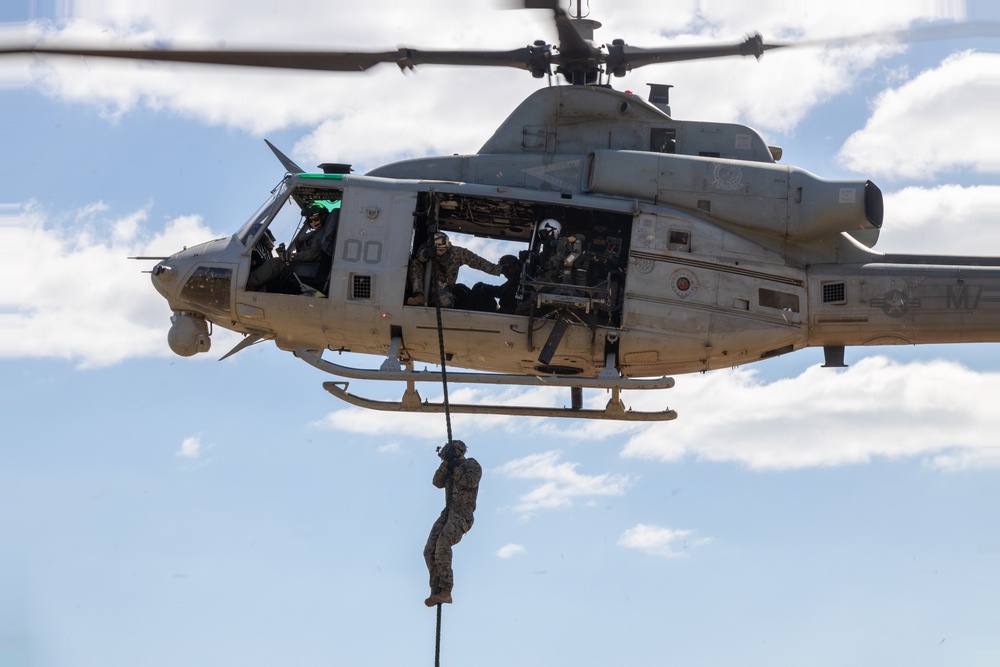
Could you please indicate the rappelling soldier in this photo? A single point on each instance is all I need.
(459, 477)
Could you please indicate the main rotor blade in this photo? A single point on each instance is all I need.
(622, 57)
(938, 31)
(330, 61)
(574, 55)
(630, 57)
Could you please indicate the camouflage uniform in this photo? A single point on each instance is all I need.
(461, 487)
(445, 272)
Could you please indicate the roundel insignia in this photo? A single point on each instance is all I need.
(683, 283)
(727, 177)
(643, 265)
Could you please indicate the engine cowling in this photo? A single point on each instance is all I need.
(765, 198)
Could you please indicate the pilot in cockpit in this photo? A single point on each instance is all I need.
(306, 247)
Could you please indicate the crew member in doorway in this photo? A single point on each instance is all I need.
(459, 477)
(445, 260)
(547, 239)
(306, 247)
(485, 295)
(560, 254)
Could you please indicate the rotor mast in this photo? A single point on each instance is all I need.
(580, 62)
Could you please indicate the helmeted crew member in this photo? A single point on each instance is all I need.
(306, 247)
(547, 232)
(459, 477)
(485, 295)
(446, 260)
(557, 254)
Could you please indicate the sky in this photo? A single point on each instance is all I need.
(159, 510)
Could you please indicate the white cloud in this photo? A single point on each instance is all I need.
(658, 541)
(367, 422)
(191, 447)
(942, 120)
(511, 550)
(832, 418)
(946, 220)
(561, 484)
(75, 295)
(967, 460)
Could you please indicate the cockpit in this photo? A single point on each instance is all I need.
(292, 239)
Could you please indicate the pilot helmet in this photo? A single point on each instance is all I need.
(549, 229)
(314, 210)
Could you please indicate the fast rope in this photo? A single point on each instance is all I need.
(447, 419)
(437, 640)
(444, 372)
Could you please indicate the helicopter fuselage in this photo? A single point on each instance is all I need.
(700, 253)
(692, 295)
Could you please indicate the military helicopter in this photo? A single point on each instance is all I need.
(682, 246)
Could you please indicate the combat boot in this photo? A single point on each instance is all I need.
(444, 597)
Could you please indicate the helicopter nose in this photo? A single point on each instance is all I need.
(170, 276)
(189, 333)
(198, 278)
(164, 277)
(196, 284)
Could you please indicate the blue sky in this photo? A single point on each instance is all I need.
(159, 511)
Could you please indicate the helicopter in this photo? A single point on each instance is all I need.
(699, 250)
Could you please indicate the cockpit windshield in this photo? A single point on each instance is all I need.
(252, 227)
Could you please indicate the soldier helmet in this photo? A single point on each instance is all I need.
(314, 210)
(453, 450)
(441, 242)
(508, 264)
(549, 229)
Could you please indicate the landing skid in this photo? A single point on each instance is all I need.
(412, 403)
